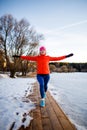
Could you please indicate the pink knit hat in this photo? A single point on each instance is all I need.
(42, 48)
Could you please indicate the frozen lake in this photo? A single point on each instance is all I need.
(70, 91)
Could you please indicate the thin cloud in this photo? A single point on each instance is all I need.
(57, 31)
(74, 24)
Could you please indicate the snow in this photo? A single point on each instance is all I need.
(14, 104)
(4, 76)
(70, 91)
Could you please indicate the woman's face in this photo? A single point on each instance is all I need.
(42, 52)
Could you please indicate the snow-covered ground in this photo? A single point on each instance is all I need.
(69, 90)
(14, 104)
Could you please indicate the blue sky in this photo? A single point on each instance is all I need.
(62, 22)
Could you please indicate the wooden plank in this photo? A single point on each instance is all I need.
(37, 121)
(52, 116)
(46, 124)
(64, 121)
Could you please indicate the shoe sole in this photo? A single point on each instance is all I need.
(42, 106)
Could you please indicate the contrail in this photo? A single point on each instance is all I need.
(57, 31)
(74, 24)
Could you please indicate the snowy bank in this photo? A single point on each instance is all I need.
(14, 104)
(4, 76)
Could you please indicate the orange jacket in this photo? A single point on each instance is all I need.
(43, 62)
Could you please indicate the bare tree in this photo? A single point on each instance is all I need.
(26, 40)
(17, 38)
(6, 27)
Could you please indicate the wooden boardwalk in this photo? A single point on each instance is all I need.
(50, 117)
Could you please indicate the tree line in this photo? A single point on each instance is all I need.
(68, 67)
(16, 38)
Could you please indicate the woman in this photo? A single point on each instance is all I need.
(43, 69)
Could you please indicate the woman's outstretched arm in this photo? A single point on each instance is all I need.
(61, 57)
(32, 58)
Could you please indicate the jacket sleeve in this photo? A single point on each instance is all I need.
(56, 58)
(31, 58)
